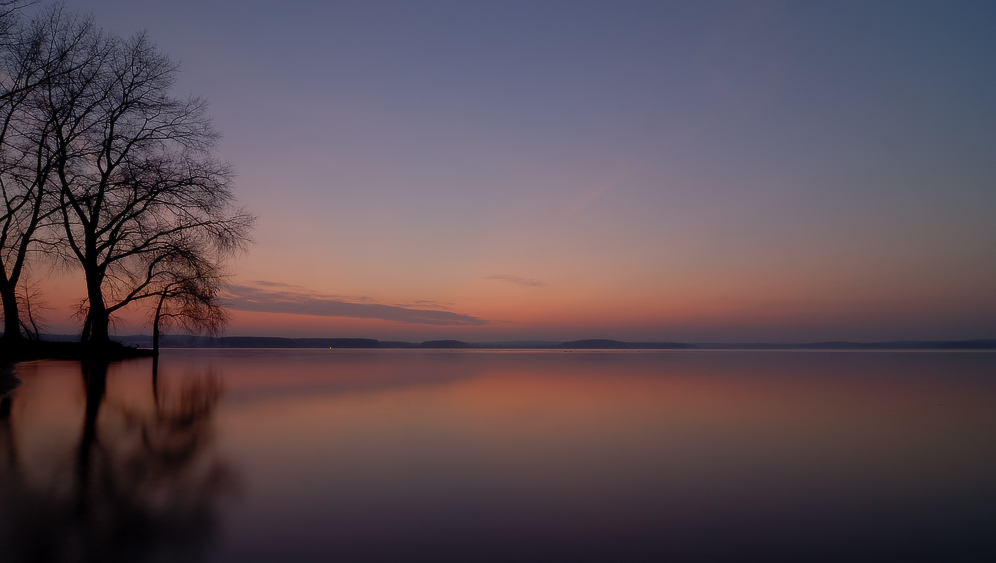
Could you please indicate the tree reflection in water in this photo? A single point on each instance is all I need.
(144, 482)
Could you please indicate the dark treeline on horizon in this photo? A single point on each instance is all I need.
(104, 170)
(177, 341)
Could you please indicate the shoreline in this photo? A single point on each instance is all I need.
(29, 350)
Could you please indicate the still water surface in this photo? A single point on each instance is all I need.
(321, 455)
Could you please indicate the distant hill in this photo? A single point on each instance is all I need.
(180, 341)
(840, 345)
(603, 344)
(445, 344)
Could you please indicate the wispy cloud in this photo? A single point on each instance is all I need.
(264, 283)
(589, 196)
(425, 304)
(273, 297)
(524, 282)
(593, 193)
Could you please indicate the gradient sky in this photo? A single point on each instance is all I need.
(692, 171)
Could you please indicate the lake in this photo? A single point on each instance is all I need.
(371, 455)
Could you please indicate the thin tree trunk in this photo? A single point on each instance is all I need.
(155, 328)
(11, 316)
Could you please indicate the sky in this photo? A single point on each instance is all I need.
(646, 171)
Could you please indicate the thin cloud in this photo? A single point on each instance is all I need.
(275, 284)
(425, 304)
(588, 197)
(593, 193)
(271, 297)
(291, 291)
(524, 282)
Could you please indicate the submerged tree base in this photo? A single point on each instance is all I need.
(27, 350)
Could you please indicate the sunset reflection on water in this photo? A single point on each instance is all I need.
(267, 455)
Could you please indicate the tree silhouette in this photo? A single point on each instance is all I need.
(102, 166)
(138, 185)
(186, 295)
(30, 55)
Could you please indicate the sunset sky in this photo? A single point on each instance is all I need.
(689, 171)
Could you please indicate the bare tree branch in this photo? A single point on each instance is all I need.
(145, 208)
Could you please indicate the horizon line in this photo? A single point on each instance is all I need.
(588, 343)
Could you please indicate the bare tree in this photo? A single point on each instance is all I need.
(93, 143)
(138, 185)
(186, 296)
(30, 55)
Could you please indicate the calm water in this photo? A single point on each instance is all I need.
(321, 455)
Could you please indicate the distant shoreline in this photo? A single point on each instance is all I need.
(61, 347)
(590, 344)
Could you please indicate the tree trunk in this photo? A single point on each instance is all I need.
(155, 338)
(155, 328)
(99, 326)
(85, 333)
(11, 316)
(96, 318)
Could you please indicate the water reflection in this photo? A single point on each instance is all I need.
(596, 456)
(141, 481)
(497, 456)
